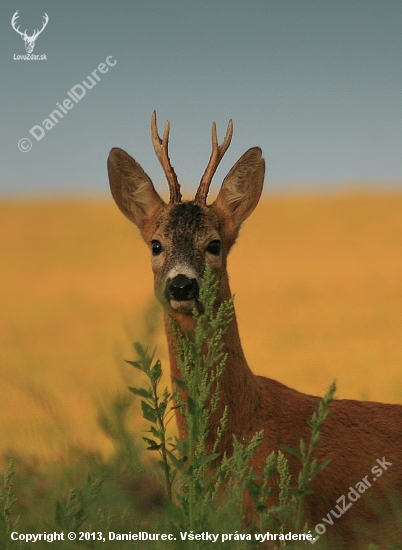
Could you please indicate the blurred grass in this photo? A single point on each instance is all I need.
(318, 284)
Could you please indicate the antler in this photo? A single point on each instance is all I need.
(24, 34)
(17, 29)
(37, 32)
(216, 156)
(161, 150)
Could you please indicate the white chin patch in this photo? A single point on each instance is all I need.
(184, 306)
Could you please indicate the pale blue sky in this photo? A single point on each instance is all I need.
(316, 84)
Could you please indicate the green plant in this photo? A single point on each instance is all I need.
(310, 468)
(8, 500)
(155, 410)
(207, 490)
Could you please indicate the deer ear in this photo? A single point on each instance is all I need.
(131, 188)
(242, 187)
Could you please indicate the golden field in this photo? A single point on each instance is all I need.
(318, 285)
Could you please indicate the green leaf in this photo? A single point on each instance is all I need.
(204, 460)
(191, 407)
(150, 441)
(254, 490)
(162, 408)
(321, 466)
(156, 371)
(291, 451)
(155, 432)
(148, 412)
(179, 383)
(143, 353)
(147, 394)
(153, 445)
(135, 364)
(177, 463)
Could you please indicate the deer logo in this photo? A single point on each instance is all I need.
(29, 40)
(183, 237)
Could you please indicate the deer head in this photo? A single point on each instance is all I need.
(185, 236)
(29, 40)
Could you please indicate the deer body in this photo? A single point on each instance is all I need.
(185, 236)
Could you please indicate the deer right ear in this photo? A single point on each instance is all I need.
(242, 187)
(132, 189)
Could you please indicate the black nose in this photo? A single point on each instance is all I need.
(182, 288)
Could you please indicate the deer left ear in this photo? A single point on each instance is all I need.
(241, 189)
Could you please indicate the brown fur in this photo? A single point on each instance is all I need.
(356, 433)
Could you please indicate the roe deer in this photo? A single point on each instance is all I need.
(363, 440)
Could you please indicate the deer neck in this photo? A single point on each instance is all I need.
(239, 387)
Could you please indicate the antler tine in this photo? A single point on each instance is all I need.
(161, 150)
(44, 23)
(13, 24)
(216, 156)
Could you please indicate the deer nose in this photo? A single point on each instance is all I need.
(181, 288)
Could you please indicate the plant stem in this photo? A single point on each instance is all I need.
(162, 427)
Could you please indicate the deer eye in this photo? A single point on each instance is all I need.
(156, 248)
(214, 248)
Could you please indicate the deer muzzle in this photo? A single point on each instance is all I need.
(182, 292)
